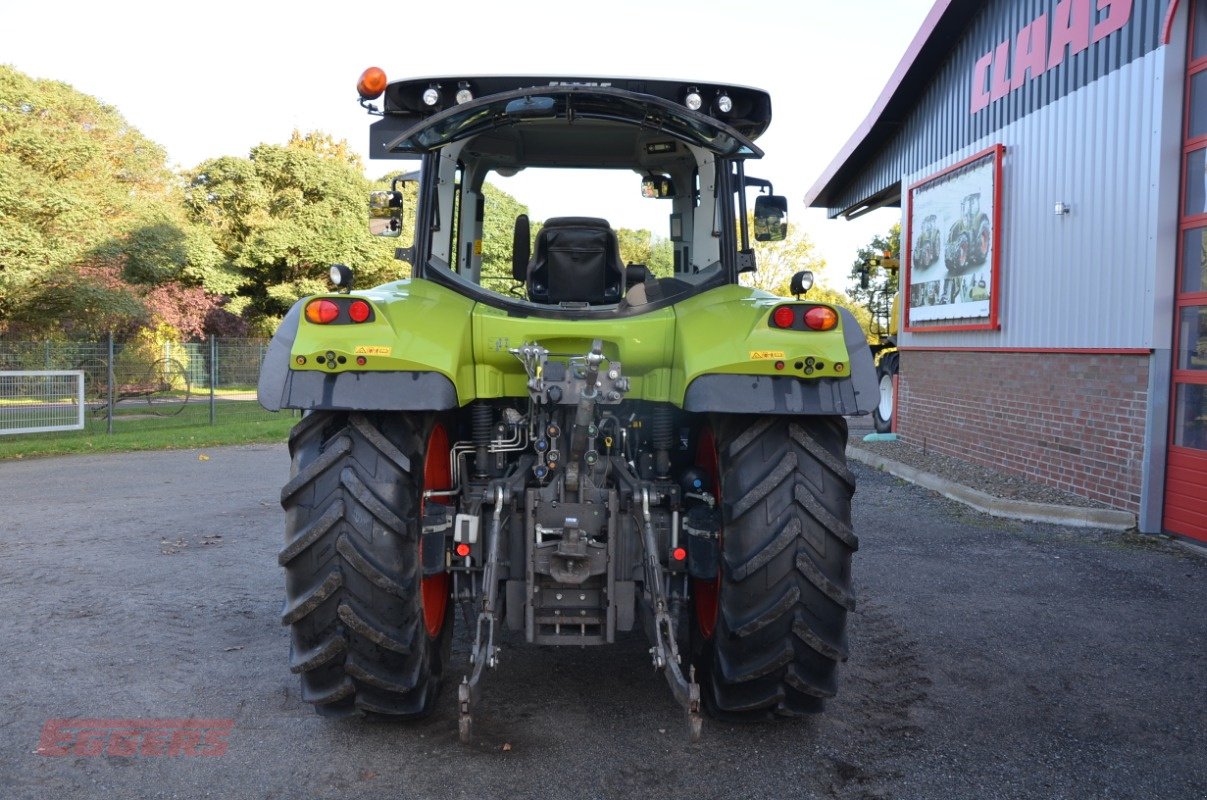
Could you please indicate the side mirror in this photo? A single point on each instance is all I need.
(770, 218)
(801, 283)
(385, 213)
(657, 186)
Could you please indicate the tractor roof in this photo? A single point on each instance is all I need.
(424, 114)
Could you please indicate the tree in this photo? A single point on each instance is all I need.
(778, 261)
(90, 219)
(282, 216)
(643, 247)
(498, 234)
(882, 282)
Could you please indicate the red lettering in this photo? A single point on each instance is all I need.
(135, 737)
(1071, 27)
(1117, 15)
(1030, 52)
(1001, 72)
(54, 739)
(154, 742)
(90, 742)
(123, 743)
(214, 742)
(184, 743)
(980, 81)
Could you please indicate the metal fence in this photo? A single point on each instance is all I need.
(193, 383)
(39, 401)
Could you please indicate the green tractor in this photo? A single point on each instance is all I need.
(593, 448)
(926, 246)
(970, 236)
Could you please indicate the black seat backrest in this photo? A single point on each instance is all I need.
(577, 260)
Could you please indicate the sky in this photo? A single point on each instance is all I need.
(217, 78)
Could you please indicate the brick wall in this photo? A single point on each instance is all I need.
(1073, 421)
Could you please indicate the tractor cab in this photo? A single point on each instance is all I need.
(607, 158)
(971, 205)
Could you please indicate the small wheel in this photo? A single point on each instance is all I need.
(96, 384)
(169, 384)
(882, 415)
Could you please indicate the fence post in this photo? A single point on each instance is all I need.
(213, 374)
(109, 386)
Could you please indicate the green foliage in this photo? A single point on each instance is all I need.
(642, 247)
(779, 261)
(498, 233)
(282, 216)
(882, 282)
(90, 219)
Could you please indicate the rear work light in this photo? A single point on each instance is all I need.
(322, 312)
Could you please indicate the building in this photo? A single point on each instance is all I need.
(1049, 160)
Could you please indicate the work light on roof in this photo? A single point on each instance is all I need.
(693, 99)
(464, 94)
(431, 96)
(724, 103)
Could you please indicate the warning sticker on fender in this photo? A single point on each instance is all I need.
(763, 355)
(372, 350)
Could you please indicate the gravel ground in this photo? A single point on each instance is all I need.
(989, 659)
(995, 482)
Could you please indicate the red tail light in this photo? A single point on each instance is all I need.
(820, 318)
(322, 312)
(783, 317)
(359, 311)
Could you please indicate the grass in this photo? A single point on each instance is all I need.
(135, 429)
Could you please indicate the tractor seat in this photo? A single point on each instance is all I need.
(577, 260)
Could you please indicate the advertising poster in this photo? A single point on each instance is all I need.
(953, 246)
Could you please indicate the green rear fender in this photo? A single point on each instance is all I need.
(414, 353)
(427, 347)
(730, 358)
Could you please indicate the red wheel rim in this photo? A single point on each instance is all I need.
(707, 593)
(437, 474)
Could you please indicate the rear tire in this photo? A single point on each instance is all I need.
(785, 583)
(882, 414)
(353, 578)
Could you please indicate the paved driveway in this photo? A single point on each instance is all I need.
(988, 659)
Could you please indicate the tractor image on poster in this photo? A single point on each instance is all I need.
(596, 448)
(970, 236)
(926, 246)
